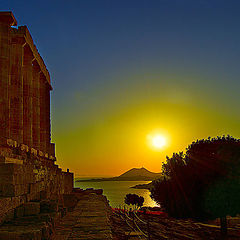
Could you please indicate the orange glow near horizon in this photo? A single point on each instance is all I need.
(113, 139)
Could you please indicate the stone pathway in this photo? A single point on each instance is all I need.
(88, 220)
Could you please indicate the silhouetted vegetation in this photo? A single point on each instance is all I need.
(134, 199)
(203, 183)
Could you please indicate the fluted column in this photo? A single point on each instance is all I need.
(42, 113)
(5, 42)
(16, 90)
(48, 124)
(36, 105)
(27, 96)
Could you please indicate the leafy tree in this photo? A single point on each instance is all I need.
(203, 183)
(134, 199)
(140, 201)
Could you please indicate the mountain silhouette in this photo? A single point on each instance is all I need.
(134, 174)
(139, 172)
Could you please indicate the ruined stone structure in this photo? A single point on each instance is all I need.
(27, 157)
(25, 89)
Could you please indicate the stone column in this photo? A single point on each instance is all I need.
(6, 21)
(42, 113)
(36, 105)
(16, 89)
(27, 96)
(48, 126)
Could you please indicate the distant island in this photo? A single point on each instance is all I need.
(134, 174)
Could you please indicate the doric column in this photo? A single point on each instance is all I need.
(16, 89)
(43, 112)
(48, 120)
(36, 105)
(6, 21)
(27, 96)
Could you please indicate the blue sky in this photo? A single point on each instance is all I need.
(121, 61)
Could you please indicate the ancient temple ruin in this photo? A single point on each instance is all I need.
(27, 157)
(25, 89)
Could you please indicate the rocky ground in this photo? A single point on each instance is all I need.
(89, 216)
(86, 217)
(88, 220)
(169, 228)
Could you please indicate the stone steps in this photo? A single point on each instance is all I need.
(36, 227)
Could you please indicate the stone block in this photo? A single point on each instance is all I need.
(43, 195)
(8, 203)
(11, 143)
(40, 153)
(19, 179)
(5, 205)
(10, 160)
(33, 196)
(69, 201)
(77, 190)
(24, 147)
(10, 168)
(19, 211)
(12, 190)
(96, 191)
(7, 178)
(9, 215)
(34, 151)
(47, 206)
(31, 208)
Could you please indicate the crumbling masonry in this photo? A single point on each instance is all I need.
(27, 157)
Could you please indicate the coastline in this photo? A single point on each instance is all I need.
(117, 190)
(147, 186)
(140, 178)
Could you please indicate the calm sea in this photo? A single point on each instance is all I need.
(115, 191)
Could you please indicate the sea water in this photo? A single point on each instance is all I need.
(115, 191)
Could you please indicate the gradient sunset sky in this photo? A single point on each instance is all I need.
(123, 69)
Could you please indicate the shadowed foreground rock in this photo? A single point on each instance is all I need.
(85, 216)
(88, 220)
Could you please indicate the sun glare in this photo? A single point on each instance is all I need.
(157, 141)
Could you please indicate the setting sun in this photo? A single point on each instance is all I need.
(157, 141)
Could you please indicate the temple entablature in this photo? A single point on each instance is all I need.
(22, 32)
(21, 35)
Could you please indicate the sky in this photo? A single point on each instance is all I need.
(122, 70)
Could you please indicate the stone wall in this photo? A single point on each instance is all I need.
(26, 175)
